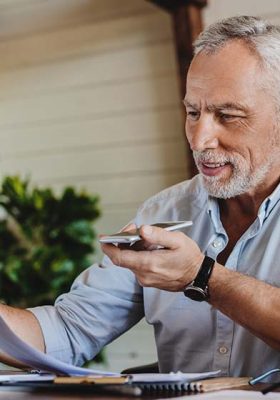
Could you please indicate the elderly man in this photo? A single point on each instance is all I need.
(211, 293)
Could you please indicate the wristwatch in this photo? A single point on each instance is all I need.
(198, 289)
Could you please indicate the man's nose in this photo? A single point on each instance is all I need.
(203, 134)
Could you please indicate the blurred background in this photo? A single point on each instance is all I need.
(90, 96)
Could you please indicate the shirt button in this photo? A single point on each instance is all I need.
(217, 244)
(223, 350)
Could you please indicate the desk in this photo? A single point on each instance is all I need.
(25, 394)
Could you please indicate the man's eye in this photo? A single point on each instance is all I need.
(193, 115)
(228, 117)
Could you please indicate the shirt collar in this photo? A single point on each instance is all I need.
(214, 213)
(269, 203)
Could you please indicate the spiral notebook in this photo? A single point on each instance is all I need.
(166, 383)
(130, 385)
(172, 382)
(203, 384)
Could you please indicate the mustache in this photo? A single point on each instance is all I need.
(213, 157)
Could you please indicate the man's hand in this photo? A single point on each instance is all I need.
(171, 267)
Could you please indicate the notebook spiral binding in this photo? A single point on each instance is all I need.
(168, 387)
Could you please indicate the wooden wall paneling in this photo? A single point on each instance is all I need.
(29, 17)
(126, 159)
(67, 105)
(55, 137)
(135, 188)
(79, 90)
(90, 70)
(171, 5)
(218, 9)
(86, 39)
(123, 351)
(89, 98)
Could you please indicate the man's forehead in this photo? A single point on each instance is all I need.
(232, 54)
(222, 82)
(223, 76)
(232, 65)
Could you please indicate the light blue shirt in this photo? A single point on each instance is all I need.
(190, 336)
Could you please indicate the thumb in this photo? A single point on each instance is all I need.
(129, 227)
(159, 236)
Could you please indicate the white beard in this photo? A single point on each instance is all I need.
(241, 180)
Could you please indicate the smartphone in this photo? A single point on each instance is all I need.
(133, 236)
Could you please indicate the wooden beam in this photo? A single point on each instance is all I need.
(187, 24)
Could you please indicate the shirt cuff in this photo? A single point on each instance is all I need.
(55, 337)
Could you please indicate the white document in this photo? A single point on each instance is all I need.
(28, 355)
(231, 395)
(173, 377)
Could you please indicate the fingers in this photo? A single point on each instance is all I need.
(125, 258)
(128, 228)
(131, 228)
(112, 251)
(141, 245)
(158, 236)
(153, 238)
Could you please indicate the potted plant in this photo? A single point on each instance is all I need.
(45, 241)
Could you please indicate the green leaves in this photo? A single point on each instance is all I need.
(45, 240)
(80, 232)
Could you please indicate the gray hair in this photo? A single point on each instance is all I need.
(261, 37)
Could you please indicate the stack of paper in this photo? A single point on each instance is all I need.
(21, 351)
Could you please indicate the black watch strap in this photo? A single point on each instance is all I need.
(204, 273)
(198, 289)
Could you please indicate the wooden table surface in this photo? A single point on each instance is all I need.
(25, 394)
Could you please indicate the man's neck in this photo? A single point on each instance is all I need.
(238, 213)
(246, 205)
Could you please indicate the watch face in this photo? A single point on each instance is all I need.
(195, 293)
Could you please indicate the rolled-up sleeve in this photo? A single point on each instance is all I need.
(101, 305)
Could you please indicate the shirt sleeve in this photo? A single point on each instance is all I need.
(103, 303)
